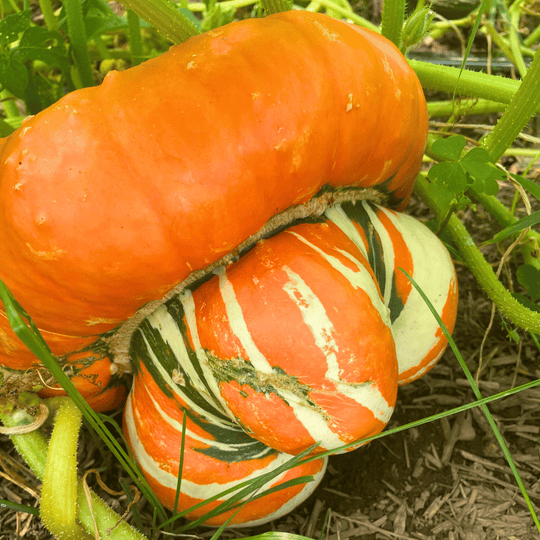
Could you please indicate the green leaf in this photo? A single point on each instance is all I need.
(98, 18)
(38, 43)
(529, 278)
(529, 185)
(13, 76)
(216, 17)
(449, 174)
(442, 195)
(489, 185)
(450, 148)
(516, 228)
(12, 26)
(476, 163)
(5, 128)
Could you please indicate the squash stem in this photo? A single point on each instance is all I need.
(532, 38)
(515, 312)
(524, 103)
(393, 15)
(467, 83)
(135, 40)
(34, 449)
(164, 17)
(58, 504)
(514, 40)
(77, 39)
(49, 17)
(463, 107)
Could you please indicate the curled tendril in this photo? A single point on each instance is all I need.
(36, 424)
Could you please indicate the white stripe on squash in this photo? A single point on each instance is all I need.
(177, 426)
(415, 329)
(311, 419)
(203, 492)
(164, 323)
(337, 215)
(359, 280)
(388, 255)
(238, 324)
(188, 304)
(315, 317)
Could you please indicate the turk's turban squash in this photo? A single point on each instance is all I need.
(124, 208)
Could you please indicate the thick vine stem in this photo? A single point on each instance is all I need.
(464, 83)
(523, 105)
(515, 312)
(393, 16)
(77, 38)
(164, 17)
(34, 448)
(58, 504)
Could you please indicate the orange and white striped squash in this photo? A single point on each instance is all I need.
(115, 194)
(297, 343)
(218, 454)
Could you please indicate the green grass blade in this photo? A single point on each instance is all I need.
(514, 229)
(277, 535)
(181, 462)
(243, 490)
(29, 334)
(532, 187)
(484, 407)
(16, 507)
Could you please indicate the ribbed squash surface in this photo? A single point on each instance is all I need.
(303, 341)
(116, 193)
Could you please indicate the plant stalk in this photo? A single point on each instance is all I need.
(33, 448)
(51, 22)
(135, 41)
(515, 312)
(524, 103)
(77, 39)
(464, 107)
(466, 83)
(58, 503)
(164, 17)
(515, 43)
(393, 16)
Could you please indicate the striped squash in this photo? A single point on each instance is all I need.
(218, 454)
(107, 204)
(301, 341)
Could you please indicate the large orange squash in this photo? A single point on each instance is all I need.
(116, 194)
